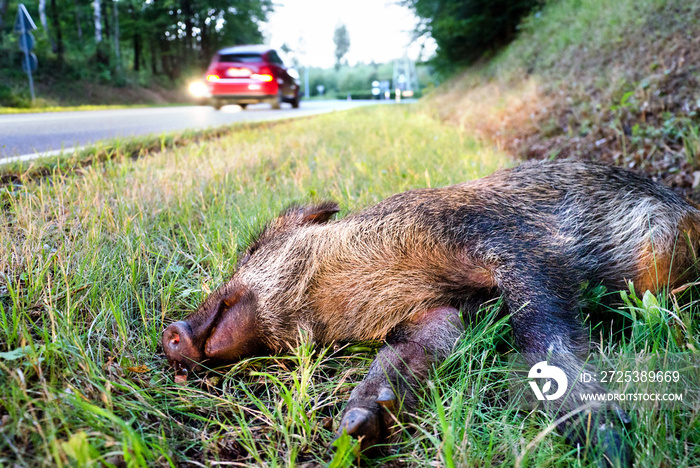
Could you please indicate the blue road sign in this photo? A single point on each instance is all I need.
(32, 61)
(23, 17)
(26, 42)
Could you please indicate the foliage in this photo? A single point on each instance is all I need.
(358, 78)
(341, 39)
(465, 30)
(140, 41)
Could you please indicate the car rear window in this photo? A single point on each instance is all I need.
(245, 57)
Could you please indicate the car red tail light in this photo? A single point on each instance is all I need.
(212, 77)
(263, 74)
(262, 77)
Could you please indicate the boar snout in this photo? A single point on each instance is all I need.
(224, 330)
(179, 347)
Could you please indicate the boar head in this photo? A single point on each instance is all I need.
(227, 326)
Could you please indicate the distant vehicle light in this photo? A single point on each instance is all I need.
(407, 93)
(213, 78)
(199, 89)
(262, 77)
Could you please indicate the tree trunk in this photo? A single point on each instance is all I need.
(45, 24)
(154, 63)
(3, 12)
(98, 21)
(78, 21)
(164, 55)
(105, 19)
(116, 31)
(56, 23)
(204, 44)
(137, 52)
(188, 19)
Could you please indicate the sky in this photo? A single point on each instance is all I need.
(379, 30)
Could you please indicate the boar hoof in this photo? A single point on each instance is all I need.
(362, 424)
(387, 399)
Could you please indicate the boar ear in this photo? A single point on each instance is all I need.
(310, 214)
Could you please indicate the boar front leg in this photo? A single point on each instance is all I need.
(396, 375)
(548, 331)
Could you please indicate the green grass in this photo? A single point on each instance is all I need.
(570, 29)
(95, 262)
(42, 109)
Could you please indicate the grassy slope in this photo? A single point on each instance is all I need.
(593, 79)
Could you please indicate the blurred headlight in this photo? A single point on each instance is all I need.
(199, 89)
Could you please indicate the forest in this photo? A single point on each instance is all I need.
(165, 38)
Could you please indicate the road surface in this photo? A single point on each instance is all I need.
(24, 135)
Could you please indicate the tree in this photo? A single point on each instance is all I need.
(44, 22)
(342, 43)
(108, 39)
(98, 21)
(464, 30)
(58, 46)
(3, 13)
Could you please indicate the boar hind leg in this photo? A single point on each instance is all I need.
(396, 375)
(548, 331)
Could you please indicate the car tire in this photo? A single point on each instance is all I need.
(295, 102)
(276, 103)
(217, 105)
(243, 106)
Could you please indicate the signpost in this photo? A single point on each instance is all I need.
(23, 25)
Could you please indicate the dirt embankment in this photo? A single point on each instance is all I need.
(633, 103)
(83, 93)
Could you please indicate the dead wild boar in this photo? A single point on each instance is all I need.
(401, 271)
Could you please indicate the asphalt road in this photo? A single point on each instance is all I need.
(22, 135)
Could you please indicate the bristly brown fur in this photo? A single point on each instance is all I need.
(359, 277)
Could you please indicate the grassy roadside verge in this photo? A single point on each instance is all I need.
(94, 263)
(39, 110)
(118, 149)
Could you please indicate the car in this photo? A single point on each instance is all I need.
(248, 74)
